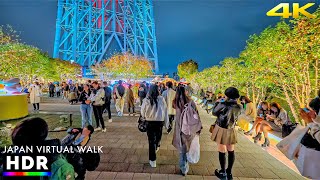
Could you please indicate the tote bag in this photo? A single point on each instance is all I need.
(193, 155)
(290, 145)
(308, 162)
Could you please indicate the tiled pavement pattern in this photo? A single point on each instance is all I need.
(125, 155)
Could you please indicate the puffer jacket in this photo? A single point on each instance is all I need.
(154, 113)
(227, 113)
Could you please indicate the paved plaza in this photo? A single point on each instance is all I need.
(125, 152)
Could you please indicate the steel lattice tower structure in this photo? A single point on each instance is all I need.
(89, 31)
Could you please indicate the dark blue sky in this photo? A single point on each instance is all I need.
(204, 30)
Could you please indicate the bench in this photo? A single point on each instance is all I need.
(276, 136)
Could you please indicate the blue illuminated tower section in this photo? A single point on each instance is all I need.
(89, 31)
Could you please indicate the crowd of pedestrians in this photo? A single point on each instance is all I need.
(170, 106)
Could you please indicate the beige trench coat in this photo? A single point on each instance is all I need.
(35, 92)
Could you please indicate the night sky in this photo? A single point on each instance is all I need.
(204, 30)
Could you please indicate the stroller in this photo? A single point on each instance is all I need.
(72, 98)
(80, 161)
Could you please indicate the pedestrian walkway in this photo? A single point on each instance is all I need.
(125, 154)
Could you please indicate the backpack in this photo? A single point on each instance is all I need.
(107, 94)
(191, 123)
(61, 169)
(121, 90)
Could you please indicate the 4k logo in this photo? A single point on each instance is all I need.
(296, 10)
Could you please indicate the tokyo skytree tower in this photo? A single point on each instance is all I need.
(89, 31)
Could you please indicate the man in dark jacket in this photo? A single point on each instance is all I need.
(51, 89)
(107, 98)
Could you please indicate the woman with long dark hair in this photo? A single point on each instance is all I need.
(181, 141)
(154, 110)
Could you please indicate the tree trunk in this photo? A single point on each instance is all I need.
(316, 77)
(293, 110)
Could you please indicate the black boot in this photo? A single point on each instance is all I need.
(231, 159)
(220, 174)
(229, 175)
(266, 143)
(257, 138)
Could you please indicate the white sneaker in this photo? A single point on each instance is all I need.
(97, 129)
(110, 120)
(104, 130)
(157, 149)
(153, 164)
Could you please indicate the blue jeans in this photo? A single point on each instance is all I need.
(183, 163)
(86, 114)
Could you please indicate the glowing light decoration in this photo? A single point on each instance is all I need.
(11, 86)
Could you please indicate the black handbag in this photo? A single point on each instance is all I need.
(142, 124)
(288, 128)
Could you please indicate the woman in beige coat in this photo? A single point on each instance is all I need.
(181, 141)
(35, 92)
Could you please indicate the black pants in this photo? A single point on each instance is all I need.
(51, 93)
(171, 119)
(141, 100)
(154, 132)
(98, 111)
(129, 107)
(58, 94)
(106, 107)
(36, 106)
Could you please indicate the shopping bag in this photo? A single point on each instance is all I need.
(308, 162)
(289, 146)
(193, 155)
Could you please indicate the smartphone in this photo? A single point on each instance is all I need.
(306, 110)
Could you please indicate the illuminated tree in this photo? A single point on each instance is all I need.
(125, 65)
(187, 69)
(280, 63)
(8, 35)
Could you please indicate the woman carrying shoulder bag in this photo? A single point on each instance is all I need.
(180, 140)
(154, 110)
(223, 133)
(308, 158)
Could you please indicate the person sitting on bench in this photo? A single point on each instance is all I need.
(274, 121)
(262, 111)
